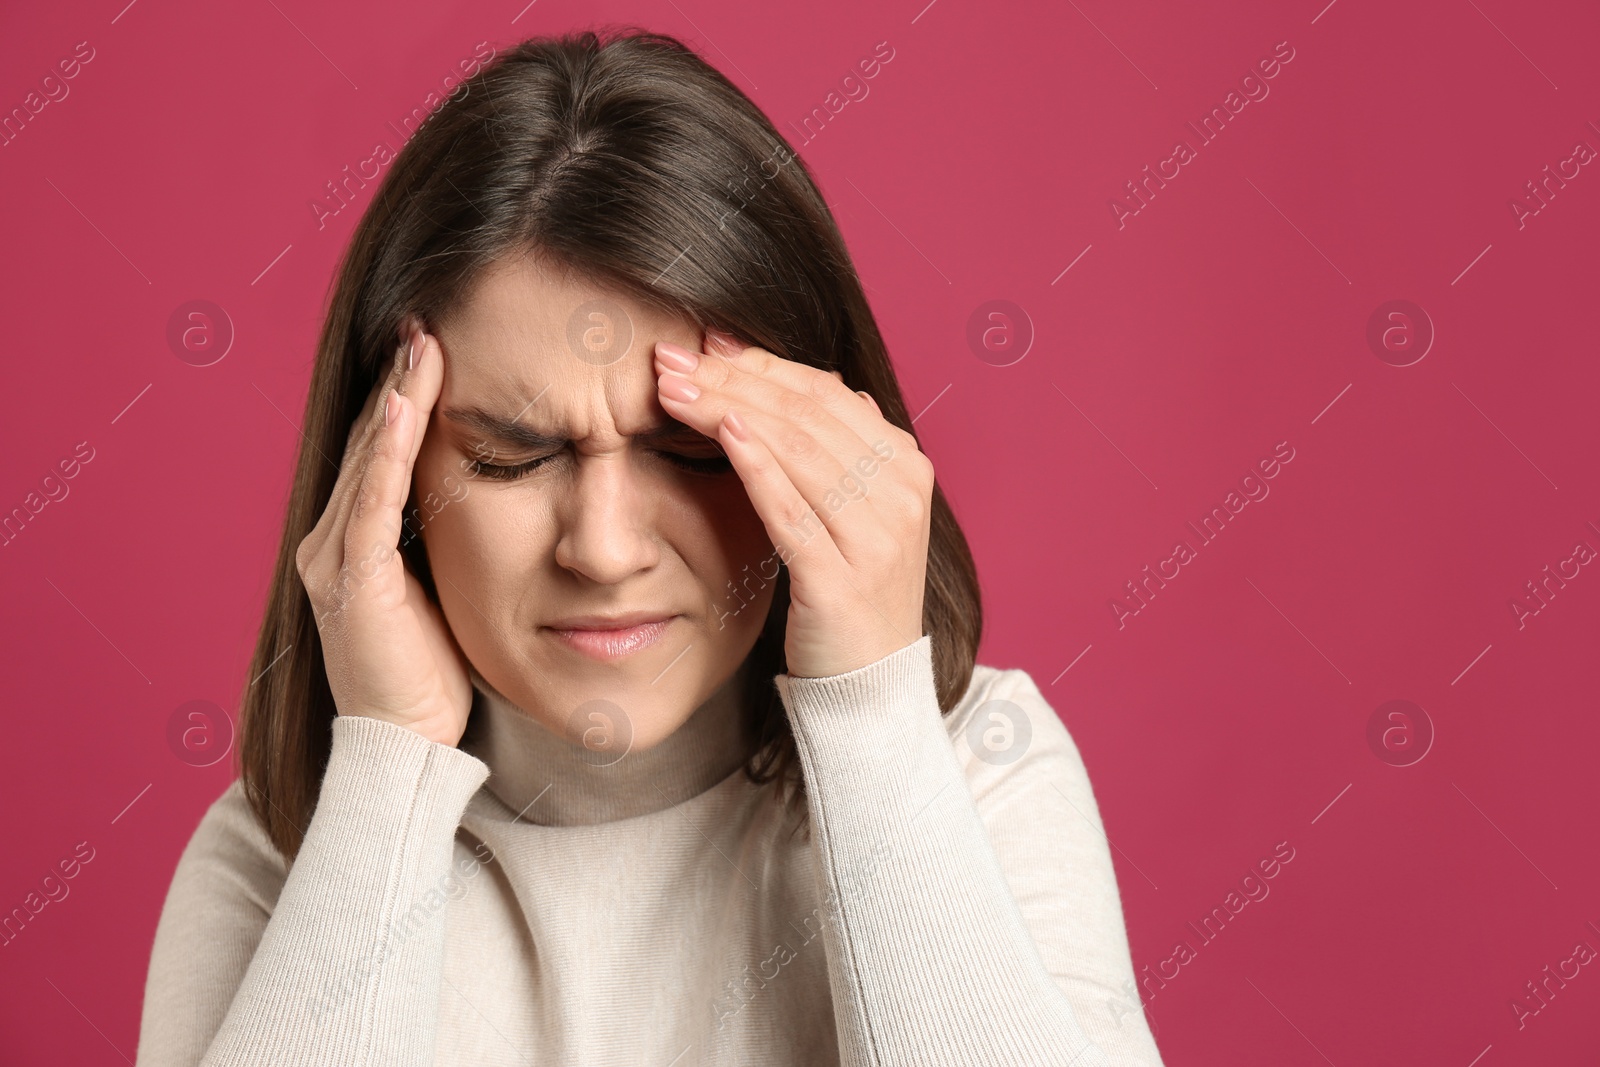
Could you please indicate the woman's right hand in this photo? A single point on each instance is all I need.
(388, 650)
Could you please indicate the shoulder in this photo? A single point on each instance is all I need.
(1007, 702)
(230, 854)
(1008, 737)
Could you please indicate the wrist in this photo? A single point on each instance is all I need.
(433, 729)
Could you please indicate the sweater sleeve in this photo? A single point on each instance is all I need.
(973, 907)
(339, 958)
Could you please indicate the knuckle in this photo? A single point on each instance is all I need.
(922, 505)
(915, 481)
(367, 566)
(910, 459)
(365, 500)
(797, 407)
(820, 385)
(761, 467)
(753, 359)
(384, 446)
(897, 442)
(798, 517)
(797, 443)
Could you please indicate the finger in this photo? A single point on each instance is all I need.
(791, 523)
(754, 375)
(367, 427)
(740, 362)
(844, 491)
(364, 423)
(328, 533)
(854, 408)
(372, 529)
(823, 459)
(422, 386)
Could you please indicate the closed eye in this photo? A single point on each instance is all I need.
(717, 464)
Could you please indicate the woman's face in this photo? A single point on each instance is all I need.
(609, 521)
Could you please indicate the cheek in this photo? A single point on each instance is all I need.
(484, 536)
(472, 533)
(486, 563)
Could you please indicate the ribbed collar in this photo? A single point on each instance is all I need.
(552, 781)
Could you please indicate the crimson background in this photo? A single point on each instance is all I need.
(1229, 314)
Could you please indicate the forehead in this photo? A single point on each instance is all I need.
(557, 352)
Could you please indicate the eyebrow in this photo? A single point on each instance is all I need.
(510, 431)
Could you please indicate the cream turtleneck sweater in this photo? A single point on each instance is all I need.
(517, 900)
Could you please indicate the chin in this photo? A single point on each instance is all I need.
(650, 731)
(625, 717)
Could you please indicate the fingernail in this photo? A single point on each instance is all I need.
(678, 388)
(391, 408)
(677, 357)
(736, 426)
(415, 346)
(874, 403)
(721, 336)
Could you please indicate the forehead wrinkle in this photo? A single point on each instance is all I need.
(514, 331)
(506, 429)
(514, 411)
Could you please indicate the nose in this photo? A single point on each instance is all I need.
(606, 521)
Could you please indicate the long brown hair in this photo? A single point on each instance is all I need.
(626, 156)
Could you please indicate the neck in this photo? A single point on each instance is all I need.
(552, 781)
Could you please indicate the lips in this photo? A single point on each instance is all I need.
(611, 637)
(622, 621)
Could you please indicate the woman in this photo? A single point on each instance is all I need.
(629, 712)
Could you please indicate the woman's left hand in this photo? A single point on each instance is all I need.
(846, 496)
